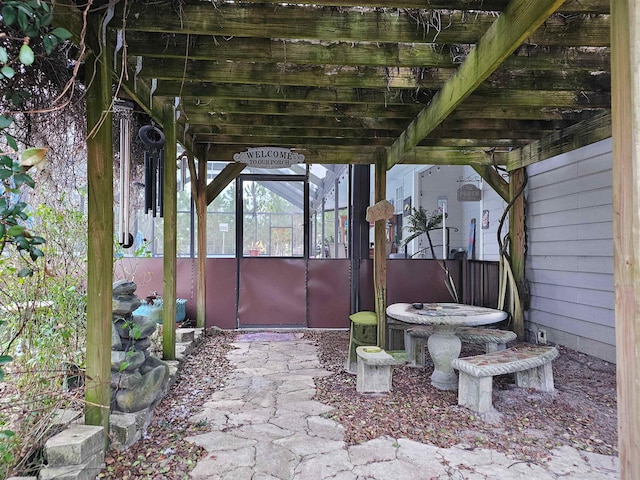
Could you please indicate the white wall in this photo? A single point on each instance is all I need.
(491, 201)
(401, 184)
(424, 190)
(486, 243)
(570, 250)
(438, 182)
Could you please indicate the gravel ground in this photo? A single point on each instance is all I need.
(582, 413)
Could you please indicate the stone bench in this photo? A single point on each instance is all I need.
(530, 363)
(373, 370)
(493, 339)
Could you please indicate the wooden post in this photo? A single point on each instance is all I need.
(517, 244)
(170, 183)
(100, 239)
(380, 248)
(625, 89)
(201, 213)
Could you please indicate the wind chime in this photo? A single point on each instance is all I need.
(125, 238)
(153, 138)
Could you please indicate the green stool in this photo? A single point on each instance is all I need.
(364, 332)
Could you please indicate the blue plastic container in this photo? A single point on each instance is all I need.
(155, 311)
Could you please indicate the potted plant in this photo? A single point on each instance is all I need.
(422, 221)
(256, 248)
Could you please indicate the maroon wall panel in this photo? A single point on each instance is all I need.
(221, 292)
(366, 286)
(148, 275)
(145, 272)
(273, 289)
(272, 292)
(419, 280)
(409, 280)
(221, 285)
(329, 291)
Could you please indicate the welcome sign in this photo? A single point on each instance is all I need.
(269, 157)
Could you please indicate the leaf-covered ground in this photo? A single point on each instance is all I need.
(582, 412)
(163, 454)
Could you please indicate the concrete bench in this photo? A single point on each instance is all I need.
(494, 340)
(530, 363)
(373, 370)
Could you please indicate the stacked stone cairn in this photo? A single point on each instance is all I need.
(138, 379)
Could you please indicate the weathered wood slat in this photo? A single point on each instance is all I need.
(288, 74)
(205, 123)
(354, 140)
(517, 243)
(218, 109)
(542, 108)
(509, 127)
(293, 121)
(476, 101)
(194, 73)
(351, 25)
(505, 35)
(583, 133)
(570, 6)
(363, 155)
(423, 55)
(199, 93)
(199, 96)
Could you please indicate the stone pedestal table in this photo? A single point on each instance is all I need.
(444, 345)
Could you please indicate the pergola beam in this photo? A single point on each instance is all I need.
(350, 25)
(196, 76)
(364, 155)
(514, 97)
(520, 19)
(578, 135)
(490, 175)
(228, 174)
(420, 55)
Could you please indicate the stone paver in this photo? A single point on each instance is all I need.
(266, 426)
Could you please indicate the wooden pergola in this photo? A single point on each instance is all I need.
(487, 83)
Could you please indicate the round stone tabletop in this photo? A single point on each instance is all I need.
(455, 314)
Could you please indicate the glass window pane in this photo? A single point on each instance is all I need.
(273, 218)
(221, 224)
(329, 196)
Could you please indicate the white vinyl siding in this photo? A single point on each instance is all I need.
(570, 250)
